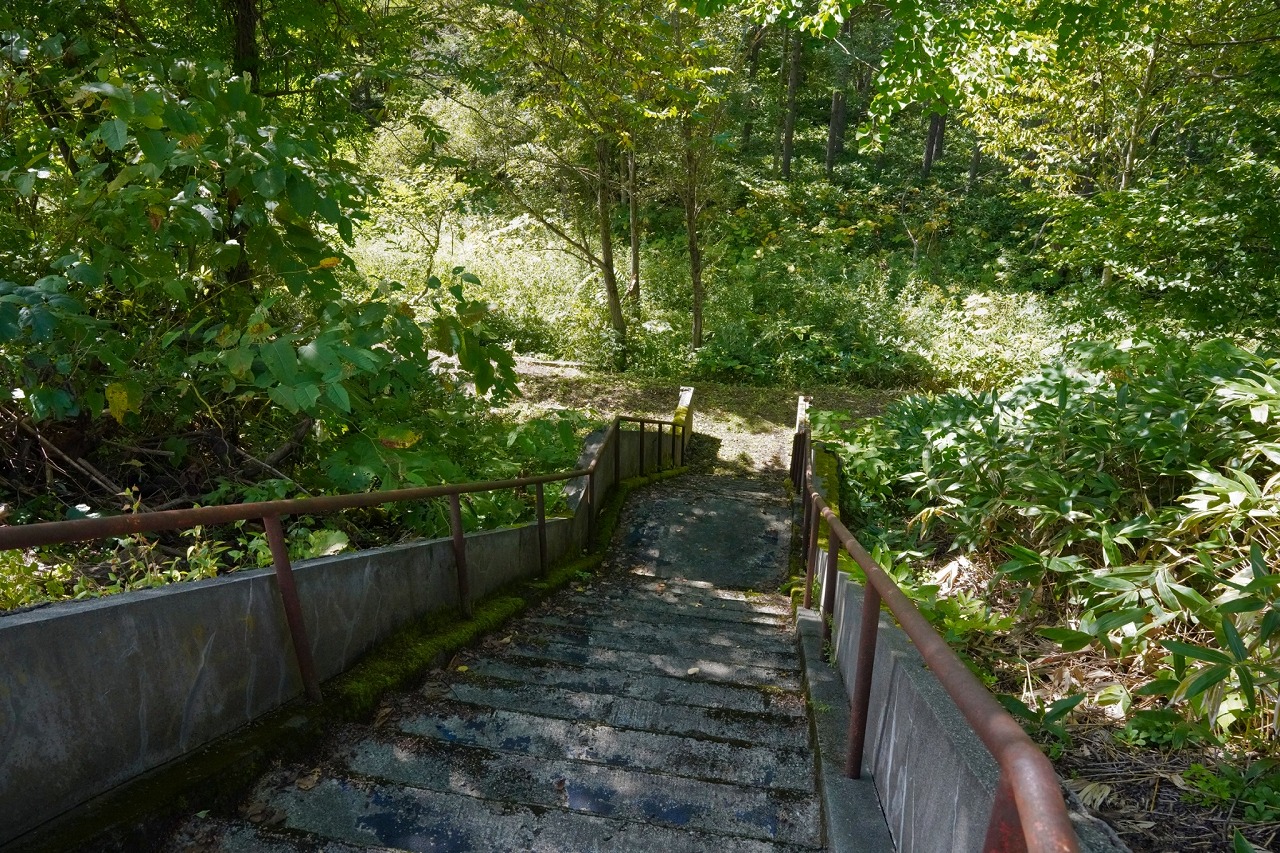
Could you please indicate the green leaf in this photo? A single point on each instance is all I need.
(281, 361)
(270, 181)
(114, 133)
(1201, 681)
(283, 396)
(1240, 844)
(1258, 561)
(1270, 623)
(1234, 642)
(239, 362)
(1070, 640)
(1062, 707)
(1196, 652)
(337, 395)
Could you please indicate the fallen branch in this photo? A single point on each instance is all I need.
(78, 464)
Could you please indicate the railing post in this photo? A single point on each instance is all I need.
(641, 425)
(808, 585)
(829, 584)
(617, 450)
(541, 504)
(674, 463)
(1004, 829)
(591, 509)
(815, 525)
(867, 633)
(292, 606)
(661, 432)
(460, 553)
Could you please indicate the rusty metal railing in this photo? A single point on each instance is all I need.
(270, 513)
(1028, 813)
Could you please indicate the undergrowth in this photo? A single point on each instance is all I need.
(1125, 500)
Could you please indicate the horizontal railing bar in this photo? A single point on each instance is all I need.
(81, 529)
(631, 420)
(1046, 825)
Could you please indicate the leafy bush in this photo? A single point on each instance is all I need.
(1130, 495)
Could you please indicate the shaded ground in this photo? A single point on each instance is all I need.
(742, 430)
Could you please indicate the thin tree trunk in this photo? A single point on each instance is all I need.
(245, 56)
(633, 220)
(793, 87)
(691, 229)
(931, 144)
(782, 120)
(839, 107)
(754, 44)
(604, 205)
(1130, 161)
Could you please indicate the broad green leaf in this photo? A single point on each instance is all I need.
(114, 133)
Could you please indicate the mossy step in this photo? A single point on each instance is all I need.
(549, 737)
(704, 667)
(638, 714)
(659, 688)
(766, 638)
(659, 612)
(363, 813)
(677, 638)
(588, 788)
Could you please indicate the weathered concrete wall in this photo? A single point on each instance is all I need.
(94, 693)
(935, 778)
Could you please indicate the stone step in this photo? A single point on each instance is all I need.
(638, 714)
(588, 788)
(549, 737)
(674, 639)
(360, 812)
(658, 612)
(704, 668)
(658, 688)
(707, 595)
(233, 836)
(673, 593)
(768, 638)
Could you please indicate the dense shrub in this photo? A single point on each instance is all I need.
(1130, 495)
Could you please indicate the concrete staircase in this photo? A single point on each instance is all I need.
(652, 710)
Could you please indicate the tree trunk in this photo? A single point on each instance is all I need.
(839, 107)
(690, 195)
(782, 120)
(245, 56)
(932, 144)
(604, 205)
(793, 87)
(755, 41)
(1130, 161)
(633, 220)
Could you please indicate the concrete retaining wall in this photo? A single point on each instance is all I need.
(935, 779)
(94, 693)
